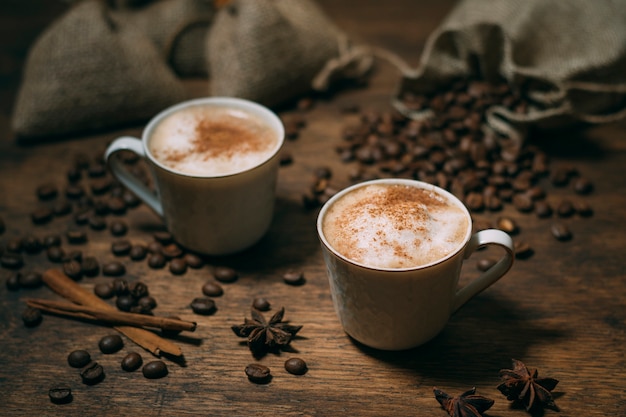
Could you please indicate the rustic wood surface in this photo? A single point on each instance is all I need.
(563, 310)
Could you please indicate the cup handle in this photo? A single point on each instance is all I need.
(478, 240)
(121, 173)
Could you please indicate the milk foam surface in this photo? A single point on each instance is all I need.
(394, 226)
(207, 140)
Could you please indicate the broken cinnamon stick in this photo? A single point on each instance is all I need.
(67, 288)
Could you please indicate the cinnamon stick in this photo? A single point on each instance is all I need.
(67, 288)
(111, 317)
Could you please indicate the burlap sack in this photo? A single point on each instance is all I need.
(567, 57)
(272, 51)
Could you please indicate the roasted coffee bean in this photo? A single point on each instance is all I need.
(523, 203)
(62, 208)
(155, 247)
(111, 343)
(565, 208)
(296, 366)
(261, 304)
(178, 266)
(13, 282)
(138, 289)
(82, 216)
(47, 191)
(60, 394)
(474, 202)
(116, 205)
(74, 191)
(121, 247)
(73, 269)
(74, 255)
(536, 193)
(14, 245)
(73, 175)
(164, 238)
(582, 186)
(11, 260)
(51, 241)
(203, 305)
(113, 269)
(293, 277)
(193, 261)
(522, 250)
(156, 261)
(120, 286)
(104, 290)
(583, 208)
(97, 223)
(154, 370)
(508, 225)
(212, 289)
(543, 209)
(485, 264)
(118, 228)
(31, 316)
(100, 185)
(92, 373)
(146, 303)
(75, 236)
(172, 251)
(257, 373)
(90, 266)
(30, 280)
(560, 232)
(32, 245)
(225, 274)
(130, 199)
(125, 302)
(42, 215)
(493, 203)
(132, 362)
(78, 358)
(138, 252)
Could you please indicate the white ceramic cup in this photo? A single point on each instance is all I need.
(213, 215)
(401, 308)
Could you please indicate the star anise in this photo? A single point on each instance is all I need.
(523, 386)
(265, 335)
(467, 404)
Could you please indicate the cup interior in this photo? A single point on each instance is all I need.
(394, 181)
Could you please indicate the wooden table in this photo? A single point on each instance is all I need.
(562, 310)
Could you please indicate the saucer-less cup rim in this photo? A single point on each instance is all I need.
(393, 181)
(229, 102)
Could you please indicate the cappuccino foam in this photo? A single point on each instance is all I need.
(394, 226)
(208, 140)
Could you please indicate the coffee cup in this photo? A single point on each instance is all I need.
(393, 250)
(215, 164)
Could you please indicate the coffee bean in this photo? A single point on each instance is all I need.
(60, 394)
(82, 217)
(75, 236)
(73, 175)
(164, 238)
(42, 215)
(47, 191)
(73, 269)
(113, 269)
(62, 208)
(225, 274)
(13, 282)
(14, 245)
(92, 373)
(565, 208)
(508, 225)
(130, 199)
(31, 316)
(560, 232)
(582, 186)
(146, 303)
(121, 247)
(111, 343)
(32, 245)
(132, 362)
(50, 241)
(104, 290)
(90, 266)
(118, 228)
(11, 260)
(212, 289)
(178, 266)
(138, 252)
(543, 209)
(96, 170)
(120, 286)
(156, 261)
(116, 205)
(296, 366)
(100, 185)
(293, 278)
(523, 203)
(193, 261)
(154, 370)
(30, 280)
(583, 208)
(261, 304)
(485, 264)
(257, 373)
(522, 250)
(125, 302)
(155, 247)
(203, 305)
(172, 251)
(97, 223)
(74, 191)
(74, 255)
(78, 358)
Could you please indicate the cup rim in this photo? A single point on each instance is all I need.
(400, 181)
(234, 102)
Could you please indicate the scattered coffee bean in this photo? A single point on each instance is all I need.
(132, 362)
(78, 358)
(31, 316)
(120, 286)
(296, 366)
(565, 208)
(11, 260)
(111, 343)
(42, 215)
(582, 186)
(51, 241)
(47, 191)
(104, 290)
(130, 199)
(485, 264)
(92, 373)
(543, 209)
(96, 170)
(257, 373)
(113, 269)
(138, 289)
(156, 260)
(154, 370)
(13, 282)
(90, 266)
(293, 278)
(73, 175)
(261, 304)
(178, 266)
(100, 186)
(172, 251)
(118, 228)
(522, 250)
(225, 274)
(121, 247)
(155, 247)
(560, 232)
(74, 255)
(203, 305)
(508, 225)
(32, 245)
(62, 208)
(583, 208)
(76, 236)
(212, 289)
(116, 205)
(60, 394)
(193, 261)
(14, 245)
(164, 238)
(74, 191)
(55, 254)
(523, 203)
(146, 304)
(82, 217)
(125, 302)
(138, 252)
(30, 280)
(73, 269)
(97, 223)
